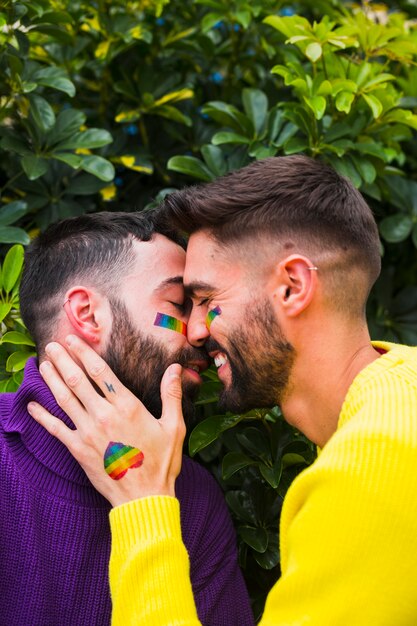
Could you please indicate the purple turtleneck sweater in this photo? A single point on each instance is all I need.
(55, 536)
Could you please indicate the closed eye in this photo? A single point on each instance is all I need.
(182, 307)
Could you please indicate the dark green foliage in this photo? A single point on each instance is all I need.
(113, 104)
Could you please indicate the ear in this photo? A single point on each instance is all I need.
(296, 283)
(83, 310)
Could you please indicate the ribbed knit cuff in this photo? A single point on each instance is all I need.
(146, 519)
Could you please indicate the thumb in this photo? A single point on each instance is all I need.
(171, 395)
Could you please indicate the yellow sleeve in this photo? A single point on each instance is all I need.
(348, 534)
(149, 566)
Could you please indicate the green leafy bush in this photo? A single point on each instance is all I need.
(110, 105)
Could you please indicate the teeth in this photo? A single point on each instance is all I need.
(220, 359)
(195, 368)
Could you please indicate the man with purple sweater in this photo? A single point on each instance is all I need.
(113, 280)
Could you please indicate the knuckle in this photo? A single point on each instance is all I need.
(96, 369)
(54, 428)
(63, 399)
(73, 380)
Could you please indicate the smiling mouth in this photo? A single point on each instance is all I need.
(220, 359)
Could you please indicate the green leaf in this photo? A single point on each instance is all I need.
(214, 159)
(396, 228)
(17, 338)
(255, 103)
(67, 123)
(365, 169)
(270, 558)
(256, 538)
(84, 185)
(12, 211)
(15, 144)
(5, 308)
(34, 167)
(210, 20)
(243, 17)
(273, 474)
(225, 137)
(317, 104)
(173, 114)
(241, 504)
(209, 392)
(314, 51)
(295, 145)
(191, 167)
(42, 112)
(12, 266)
(209, 429)
(99, 167)
(374, 104)
(17, 361)
(256, 442)
(55, 78)
(346, 168)
(73, 160)
(88, 139)
(233, 462)
(344, 100)
(290, 459)
(229, 115)
(12, 234)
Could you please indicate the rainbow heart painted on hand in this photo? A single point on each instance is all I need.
(118, 458)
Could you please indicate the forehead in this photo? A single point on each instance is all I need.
(156, 261)
(209, 263)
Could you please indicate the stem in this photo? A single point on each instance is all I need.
(10, 181)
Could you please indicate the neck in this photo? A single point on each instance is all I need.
(327, 364)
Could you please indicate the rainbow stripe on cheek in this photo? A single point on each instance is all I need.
(211, 315)
(166, 321)
(118, 458)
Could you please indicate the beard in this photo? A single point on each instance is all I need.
(260, 360)
(139, 362)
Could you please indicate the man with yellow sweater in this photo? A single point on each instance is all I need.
(281, 257)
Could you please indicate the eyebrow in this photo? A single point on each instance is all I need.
(174, 280)
(197, 287)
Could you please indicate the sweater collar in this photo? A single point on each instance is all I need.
(44, 448)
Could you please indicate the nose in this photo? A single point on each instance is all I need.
(197, 331)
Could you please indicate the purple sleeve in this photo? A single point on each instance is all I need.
(219, 589)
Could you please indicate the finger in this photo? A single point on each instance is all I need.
(171, 395)
(98, 370)
(62, 394)
(75, 380)
(53, 425)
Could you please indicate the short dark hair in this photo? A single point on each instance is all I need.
(293, 197)
(96, 247)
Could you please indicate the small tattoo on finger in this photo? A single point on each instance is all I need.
(110, 387)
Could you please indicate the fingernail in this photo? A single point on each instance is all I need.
(44, 366)
(173, 370)
(69, 340)
(31, 407)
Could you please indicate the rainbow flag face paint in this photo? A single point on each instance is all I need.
(211, 315)
(166, 321)
(118, 458)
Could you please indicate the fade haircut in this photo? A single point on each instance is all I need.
(287, 200)
(94, 249)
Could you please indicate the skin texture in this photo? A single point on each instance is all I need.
(122, 328)
(311, 351)
(291, 341)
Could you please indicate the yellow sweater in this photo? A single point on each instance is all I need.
(348, 528)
